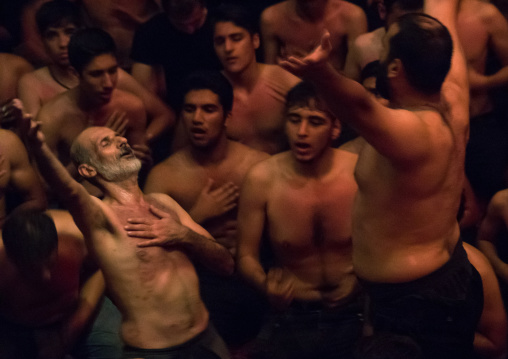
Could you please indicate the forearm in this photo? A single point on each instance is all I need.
(486, 348)
(210, 253)
(158, 125)
(89, 297)
(252, 271)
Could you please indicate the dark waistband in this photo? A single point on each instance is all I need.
(458, 262)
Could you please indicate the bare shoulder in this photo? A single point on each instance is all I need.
(499, 201)
(280, 75)
(11, 145)
(267, 172)
(354, 146)
(128, 100)
(347, 10)
(15, 63)
(275, 12)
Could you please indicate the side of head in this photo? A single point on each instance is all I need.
(30, 238)
(213, 81)
(57, 13)
(424, 47)
(87, 44)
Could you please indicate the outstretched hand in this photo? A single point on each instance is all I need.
(27, 127)
(317, 58)
(163, 231)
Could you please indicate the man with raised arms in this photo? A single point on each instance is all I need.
(294, 28)
(56, 22)
(303, 199)
(257, 118)
(142, 244)
(406, 245)
(204, 178)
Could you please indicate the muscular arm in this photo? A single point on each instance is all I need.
(269, 39)
(497, 27)
(151, 77)
(24, 179)
(251, 222)
(160, 117)
(490, 336)
(27, 95)
(492, 224)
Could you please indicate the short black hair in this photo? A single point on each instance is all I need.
(56, 13)
(370, 70)
(238, 15)
(405, 5)
(209, 80)
(181, 8)
(425, 47)
(86, 44)
(304, 94)
(29, 237)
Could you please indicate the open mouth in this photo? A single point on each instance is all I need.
(302, 145)
(126, 152)
(198, 130)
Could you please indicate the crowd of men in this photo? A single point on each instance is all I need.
(291, 179)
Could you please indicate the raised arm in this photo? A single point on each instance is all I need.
(268, 37)
(85, 211)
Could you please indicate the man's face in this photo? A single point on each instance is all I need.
(111, 155)
(191, 23)
(204, 117)
(235, 46)
(309, 131)
(98, 79)
(56, 40)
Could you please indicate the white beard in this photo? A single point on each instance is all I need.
(119, 170)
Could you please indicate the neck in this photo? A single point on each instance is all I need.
(409, 98)
(246, 78)
(122, 192)
(63, 75)
(318, 167)
(312, 10)
(213, 155)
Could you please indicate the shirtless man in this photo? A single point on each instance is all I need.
(204, 178)
(18, 180)
(47, 296)
(367, 47)
(12, 69)
(57, 21)
(257, 119)
(482, 30)
(405, 233)
(94, 100)
(303, 198)
(141, 243)
(294, 28)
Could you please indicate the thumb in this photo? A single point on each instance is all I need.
(326, 44)
(208, 186)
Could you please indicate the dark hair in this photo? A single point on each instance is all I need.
(424, 46)
(304, 94)
(86, 44)
(29, 237)
(57, 13)
(369, 70)
(404, 5)
(238, 15)
(209, 80)
(181, 8)
(387, 346)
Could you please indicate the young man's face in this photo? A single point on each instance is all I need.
(56, 40)
(309, 131)
(99, 77)
(203, 117)
(235, 46)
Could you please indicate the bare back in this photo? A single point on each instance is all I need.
(309, 225)
(286, 33)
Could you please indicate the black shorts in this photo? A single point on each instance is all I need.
(439, 311)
